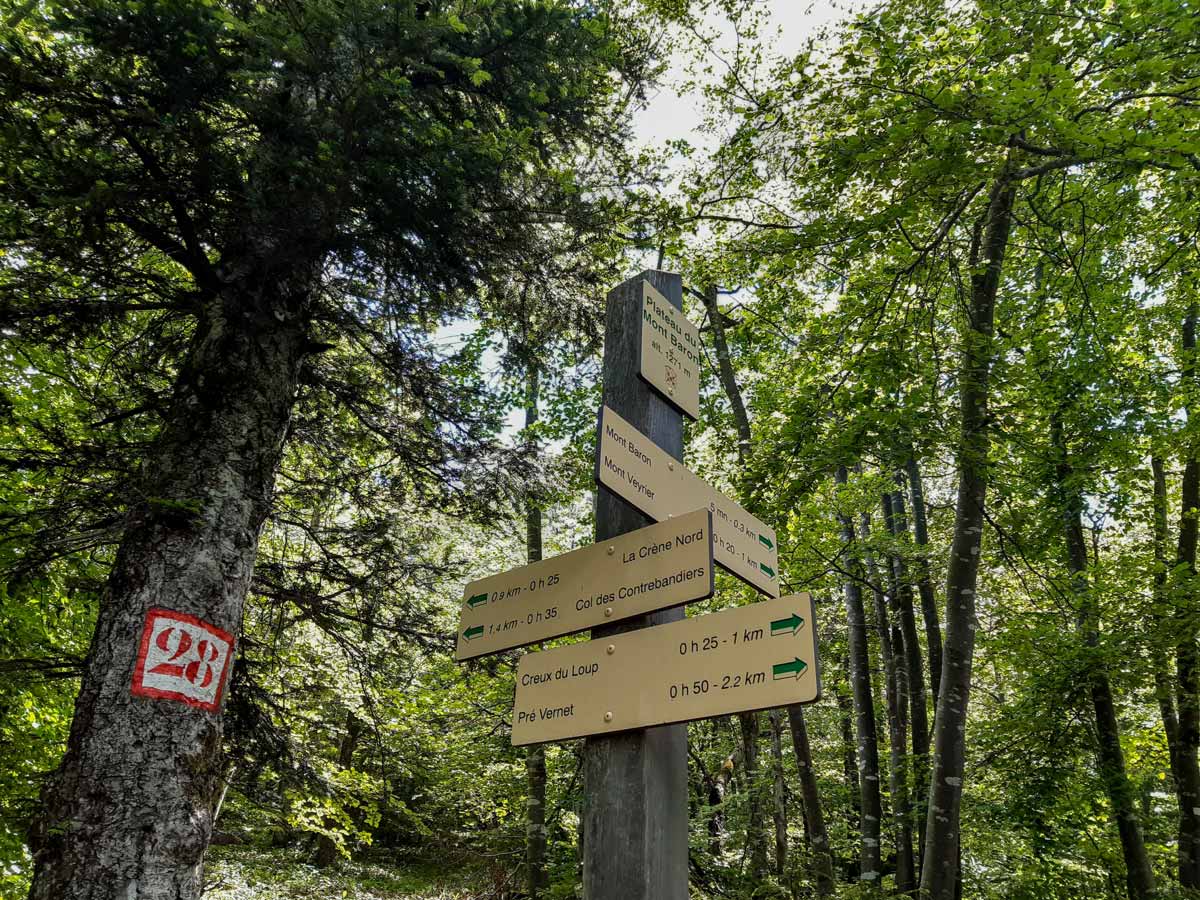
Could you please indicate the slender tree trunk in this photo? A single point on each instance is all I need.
(813, 816)
(726, 373)
(929, 610)
(756, 838)
(716, 825)
(940, 870)
(897, 523)
(1164, 691)
(897, 728)
(129, 812)
(1187, 654)
(778, 796)
(849, 758)
(537, 878)
(327, 849)
(1138, 872)
(871, 868)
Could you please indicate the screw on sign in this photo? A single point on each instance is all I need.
(182, 658)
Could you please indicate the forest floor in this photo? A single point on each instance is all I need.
(252, 873)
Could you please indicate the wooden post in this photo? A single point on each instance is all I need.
(635, 807)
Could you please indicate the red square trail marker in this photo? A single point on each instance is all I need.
(182, 658)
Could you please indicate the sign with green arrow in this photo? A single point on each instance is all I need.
(793, 669)
(638, 471)
(790, 625)
(657, 567)
(750, 657)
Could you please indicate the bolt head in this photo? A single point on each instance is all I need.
(608, 612)
(610, 650)
(608, 717)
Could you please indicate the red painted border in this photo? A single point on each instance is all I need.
(140, 690)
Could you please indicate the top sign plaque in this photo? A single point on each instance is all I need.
(670, 352)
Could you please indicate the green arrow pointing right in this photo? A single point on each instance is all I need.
(476, 600)
(793, 669)
(790, 625)
(767, 569)
(766, 542)
(472, 633)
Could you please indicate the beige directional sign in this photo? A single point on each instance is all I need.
(670, 351)
(751, 657)
(632, 466)
(656, 567)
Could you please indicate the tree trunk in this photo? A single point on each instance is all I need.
(1164, 690)
(813, 817)
(897, 729)
(778, 796)
(929, 610)
(1138, 873)
(871, 869)
(327, 849)
(716, 799)
(129, 811)
(897, 523)
(940, 869)
(756, 838)
(849, 758)
(537, 878)
(726, 373)
(1187, 654)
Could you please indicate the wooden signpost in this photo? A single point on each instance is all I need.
(631, 466)
(747, 658)
(647, 668)
(656, 567)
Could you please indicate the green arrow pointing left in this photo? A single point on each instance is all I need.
(767, 569)
(793, 669)
(472, 633)
(790, 625)
(476, 600)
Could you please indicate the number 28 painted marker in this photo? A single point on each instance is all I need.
(182, 658)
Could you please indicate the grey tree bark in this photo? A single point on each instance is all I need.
(1139, 875)
(898, 784)
(849, 759)
(636, 783)
(756, 837)
(129, 811)
(897, 522)
(940, 869)
(1187, 652)
(1164, 684)
(813, 816)
(778, 796)
(929, 610)
(871, 867)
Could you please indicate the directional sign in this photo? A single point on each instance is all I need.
(669, 360)
(636, 469)
(656, 567)
(751, 657)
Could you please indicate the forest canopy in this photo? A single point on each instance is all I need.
(302, 310)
